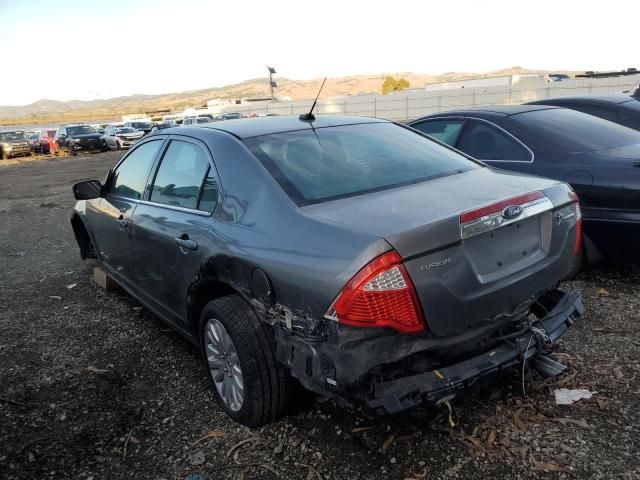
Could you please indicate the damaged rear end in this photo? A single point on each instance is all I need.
(467, 290)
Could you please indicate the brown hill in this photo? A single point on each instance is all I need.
(52, 111)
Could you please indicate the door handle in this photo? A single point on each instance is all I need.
(184, 241)
(636, 164)
(123, 222)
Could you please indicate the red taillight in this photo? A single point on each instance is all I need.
(471, 215)
(380, 295)
(578, 242)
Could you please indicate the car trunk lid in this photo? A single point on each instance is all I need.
(476, 245)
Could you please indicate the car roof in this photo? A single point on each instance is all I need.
(498, 110)
(592, 99)
(255, 127)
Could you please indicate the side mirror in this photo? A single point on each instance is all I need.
(87, 190)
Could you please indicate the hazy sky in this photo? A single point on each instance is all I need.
(63, 49)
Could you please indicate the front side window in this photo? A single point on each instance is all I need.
(321, 164)
(484, 141)
(180, 175)
(130, 178)
(447, 131)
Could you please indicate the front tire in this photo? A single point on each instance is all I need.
(239, 354)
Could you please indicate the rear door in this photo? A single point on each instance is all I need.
(110, 216)
(171, 226)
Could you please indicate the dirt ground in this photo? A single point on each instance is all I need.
(93, 386)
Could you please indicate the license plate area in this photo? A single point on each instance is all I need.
(501, 249)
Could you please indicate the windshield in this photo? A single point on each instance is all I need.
(203, 120)
(10, 136)
(126, 130)
(318, 165)
(574, 131)
(141, 125)
(80, 130)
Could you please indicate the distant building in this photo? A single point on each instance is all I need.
(501, 81)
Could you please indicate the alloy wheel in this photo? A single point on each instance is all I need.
(224, 365)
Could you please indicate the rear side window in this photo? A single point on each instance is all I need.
(447, 131)
(209, 197)
(316, 165)
(180, 175)
(573, 131)
(484, 141)
(130, 178)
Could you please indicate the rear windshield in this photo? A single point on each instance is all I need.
(8, 136)
(574, 131)
(322, 164)
(81, 130)
(126, 130)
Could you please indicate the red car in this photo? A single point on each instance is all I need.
(45, 142)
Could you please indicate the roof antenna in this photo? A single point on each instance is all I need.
(309, 117)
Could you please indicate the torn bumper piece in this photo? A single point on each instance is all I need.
(443, 384)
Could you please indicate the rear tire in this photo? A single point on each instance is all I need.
(266, 384)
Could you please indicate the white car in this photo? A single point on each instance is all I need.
(118, 138)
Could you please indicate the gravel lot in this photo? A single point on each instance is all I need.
(94, 386)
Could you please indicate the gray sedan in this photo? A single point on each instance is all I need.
(350, 256)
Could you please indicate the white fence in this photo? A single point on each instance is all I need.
(402, 106)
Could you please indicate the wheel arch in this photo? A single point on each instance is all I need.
(203, 291)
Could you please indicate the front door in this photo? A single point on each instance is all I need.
(111, 215)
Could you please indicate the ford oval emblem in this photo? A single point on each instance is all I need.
(511, 212)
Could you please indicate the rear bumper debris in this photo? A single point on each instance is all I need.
(444, 383)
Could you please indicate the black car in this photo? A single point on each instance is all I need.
(371, 264)
(77, 138)
(600, 160)
(616, 107)
(13, 143)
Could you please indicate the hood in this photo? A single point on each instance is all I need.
(15, 142)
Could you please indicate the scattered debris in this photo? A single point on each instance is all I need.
(313, 472)
(211, 434)
(603, 292)
(55, 297)
(70, 286)
(387, 443)
(93, 369)
(565, 396)
(197, 458)
(243, 442)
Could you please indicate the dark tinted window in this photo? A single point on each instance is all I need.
(447, 131)
(598, 111)
(209, 197)
(130, 177)
(629, 114)
(574, 131)
(326, 163)
(180, 175)
(484, 141)
(81, 130)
